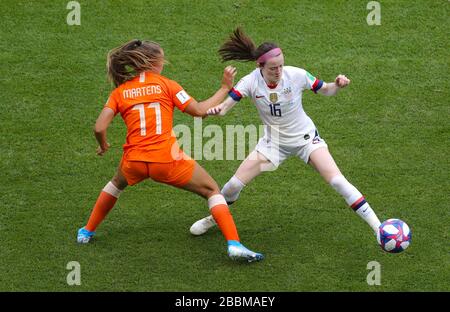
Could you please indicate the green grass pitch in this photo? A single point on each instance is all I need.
(388, 131)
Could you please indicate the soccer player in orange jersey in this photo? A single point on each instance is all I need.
(146, 100)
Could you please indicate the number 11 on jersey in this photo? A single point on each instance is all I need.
(141, 109)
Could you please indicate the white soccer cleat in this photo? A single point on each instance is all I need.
(202, 226)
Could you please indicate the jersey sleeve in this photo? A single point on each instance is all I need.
(113, 102)
(180, 97)
(241, 89)
(312, 82)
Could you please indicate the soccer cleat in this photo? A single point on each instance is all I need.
(237, 251)
(202, 226)
(84, 236)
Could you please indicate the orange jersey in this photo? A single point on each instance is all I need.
(146, 104)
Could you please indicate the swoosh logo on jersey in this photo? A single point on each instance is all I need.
(259, 96)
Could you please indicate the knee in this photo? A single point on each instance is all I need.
(336, 180)
(119, 182)
(210, 189)
(234, 185)
(345, 188)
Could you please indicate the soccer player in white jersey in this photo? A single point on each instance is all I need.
(276, 90)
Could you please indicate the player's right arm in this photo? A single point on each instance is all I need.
(222, 108)
(101, 125)
(105, 118)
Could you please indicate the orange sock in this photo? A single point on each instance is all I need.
(224, 219)
(105, 202)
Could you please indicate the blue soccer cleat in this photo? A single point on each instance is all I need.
(237, 251)
(84, 236)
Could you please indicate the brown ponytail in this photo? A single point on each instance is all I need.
(240, 47)
(127, 61)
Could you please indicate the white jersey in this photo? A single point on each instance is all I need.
(280, 108)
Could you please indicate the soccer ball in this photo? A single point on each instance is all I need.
(394, 235)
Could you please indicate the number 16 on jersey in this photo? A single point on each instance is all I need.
(275, 109)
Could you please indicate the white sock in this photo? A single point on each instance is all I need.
(368, 215)
(355, 200)
(232, 189)
(215, 200)
(111, 189)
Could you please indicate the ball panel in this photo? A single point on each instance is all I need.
(390, 229)
(404, 245)
(390, 245)
(405, 229)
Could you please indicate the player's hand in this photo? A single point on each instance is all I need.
(214, 110)
(342, 81)
(102, 150)
(228, 77)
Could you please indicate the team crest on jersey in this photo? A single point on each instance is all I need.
(273, 97)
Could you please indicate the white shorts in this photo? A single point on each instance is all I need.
(278, 153)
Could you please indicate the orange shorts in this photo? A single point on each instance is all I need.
(175, 173)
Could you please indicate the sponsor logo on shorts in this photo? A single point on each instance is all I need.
(316, 140)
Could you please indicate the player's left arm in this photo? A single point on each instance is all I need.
(200, 109)
(101, 125)
(332, 88)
